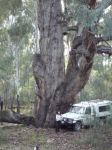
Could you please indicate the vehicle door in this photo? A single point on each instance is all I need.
(89, 116)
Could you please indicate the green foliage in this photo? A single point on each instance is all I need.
(21, 27)
(15, 51)
(108, 24)
(79, 12)
(100, 82)
(8, 7)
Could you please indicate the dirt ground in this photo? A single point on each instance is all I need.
(19, 137)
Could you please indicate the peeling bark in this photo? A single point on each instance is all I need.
(48, 66)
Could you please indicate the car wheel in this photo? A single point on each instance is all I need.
(87, 127)
(77, 126)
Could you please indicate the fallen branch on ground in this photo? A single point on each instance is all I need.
(13, 117)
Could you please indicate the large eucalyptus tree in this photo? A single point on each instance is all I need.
(56, 88)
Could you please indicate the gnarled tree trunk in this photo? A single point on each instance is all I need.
(48, 66)
(57, 89)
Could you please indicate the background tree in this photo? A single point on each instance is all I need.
(100, 83)
(16, 40)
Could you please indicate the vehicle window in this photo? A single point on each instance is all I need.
(77, 109)
(88, 110)
(104, 108)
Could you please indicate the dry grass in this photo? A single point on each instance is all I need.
(19, 137)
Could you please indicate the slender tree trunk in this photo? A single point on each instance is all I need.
(55, 89)
(18, 104)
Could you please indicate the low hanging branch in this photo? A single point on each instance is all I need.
(104, 49)
(107, 49)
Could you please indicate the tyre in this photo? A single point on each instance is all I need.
(87, 126)
(77, 126)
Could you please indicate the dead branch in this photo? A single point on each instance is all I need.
(104, 49)
(13, 117)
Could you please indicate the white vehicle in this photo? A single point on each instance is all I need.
(85, 113)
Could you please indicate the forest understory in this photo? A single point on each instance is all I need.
(19, 137)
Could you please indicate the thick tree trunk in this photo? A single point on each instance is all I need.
(48, 66)
(55, 89)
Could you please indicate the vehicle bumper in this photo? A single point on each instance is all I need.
(66, 124)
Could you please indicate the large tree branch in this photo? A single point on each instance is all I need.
(78, 69)
(104, 49)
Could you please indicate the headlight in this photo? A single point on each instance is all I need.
(70, 120)
(64, 119)
(74, 121)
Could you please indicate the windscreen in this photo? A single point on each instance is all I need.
(77, 109)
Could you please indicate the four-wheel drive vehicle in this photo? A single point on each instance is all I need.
(85, 113)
